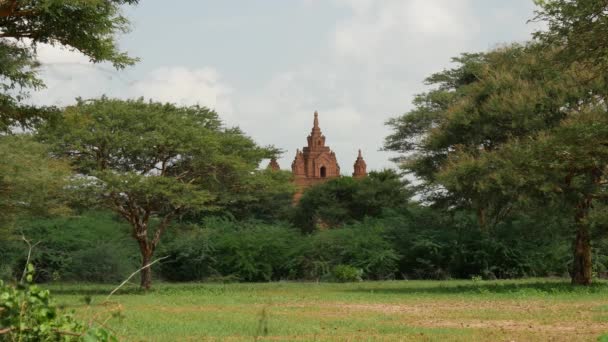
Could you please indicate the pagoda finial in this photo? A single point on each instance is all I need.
(316, 122)
(360, 156)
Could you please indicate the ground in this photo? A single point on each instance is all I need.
(522, 310)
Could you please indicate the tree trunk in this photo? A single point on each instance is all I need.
(481, 218)
(581, 268)
(146, 272)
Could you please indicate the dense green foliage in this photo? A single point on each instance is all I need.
(94, 246)
(420, 243)
(508, 131)
(578, 27)
(346, 200)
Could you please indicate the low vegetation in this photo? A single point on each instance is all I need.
(463, 310)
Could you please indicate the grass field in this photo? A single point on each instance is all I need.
(523, 310)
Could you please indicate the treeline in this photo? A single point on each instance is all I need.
(397, 239)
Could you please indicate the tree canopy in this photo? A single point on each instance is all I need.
(519, 123)
(345, 200)
(90, 27)
(152, 162)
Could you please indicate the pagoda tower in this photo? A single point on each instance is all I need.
(316, 162)
(273, 165)
(360, 167)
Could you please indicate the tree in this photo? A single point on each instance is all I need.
(512, 96)
(152, 162)
(266, 195)
(565, 165)
(487, 100)
(345, 200)
(86, 26)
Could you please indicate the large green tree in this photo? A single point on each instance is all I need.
(492, 102)
(487, 99)
(561, 168)
(88, 26)
(152, 162)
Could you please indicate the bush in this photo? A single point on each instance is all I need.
(255, 252)
(92, 247)
(101, 264)
(28, 314)
(191, 257)
(362, 246)
(346, 273)
(345, 200)
(440, 245)
(226, 249)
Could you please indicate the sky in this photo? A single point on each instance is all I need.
(267, 65)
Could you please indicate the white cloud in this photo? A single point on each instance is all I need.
(392, 32)
(69, 74)
(185, 86)
(53, 55)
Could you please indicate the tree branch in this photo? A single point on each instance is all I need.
(10, 10)
(133, 274)
(29, 255)
(162, 226)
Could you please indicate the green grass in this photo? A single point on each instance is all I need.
(522, 310)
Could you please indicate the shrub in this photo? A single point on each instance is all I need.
(346, 273)
(191, 257)
(362, 246)
(346, 200)
(28, 314)
(91, 247)
(226, 249)
(255, 252)
(102, 264)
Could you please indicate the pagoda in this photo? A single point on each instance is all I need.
(316, 162)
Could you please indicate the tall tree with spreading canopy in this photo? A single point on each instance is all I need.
(152, 162)
(486, 100)
(89, 27)
(519, 105)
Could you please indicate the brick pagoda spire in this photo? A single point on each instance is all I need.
(360, 167)
(316, 162)
(273, 165)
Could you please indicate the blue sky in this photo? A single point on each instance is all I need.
(267, 65)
